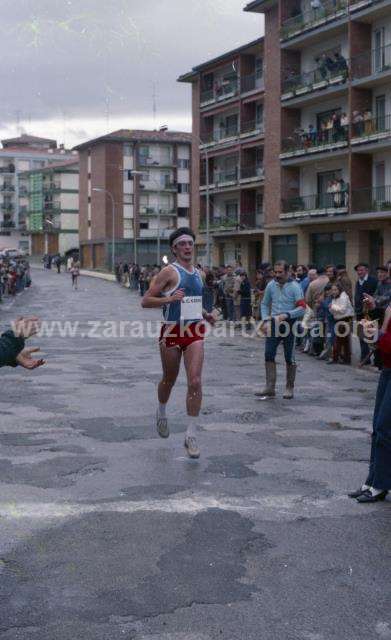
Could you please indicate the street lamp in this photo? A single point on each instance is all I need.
(108, 193)
(205, 151)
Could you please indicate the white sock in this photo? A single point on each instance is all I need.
(375, 492)
(192, 422)
(161, 410)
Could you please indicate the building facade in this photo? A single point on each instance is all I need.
(328, 149)
(18, 155)
(52, 219)
(228, 155)
(142, 178)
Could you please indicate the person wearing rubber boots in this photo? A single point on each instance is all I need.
(282, 306)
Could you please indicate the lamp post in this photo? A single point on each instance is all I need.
(205, 151)
(108, 193)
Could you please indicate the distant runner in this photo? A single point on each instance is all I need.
(178, 289)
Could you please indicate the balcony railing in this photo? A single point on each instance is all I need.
(333, 73)
(312, 18)
(317, 202)
(312, 141)
(7, 224)
(6, 207)
(221, 223)
(371, 62)
(372, 127)
(251, 126)
(371, 199)
(221, 91)
(153, 211)
(252, 172)
(150, 185)
(252, 82)
(7, 187)
(223, 177)
(8, 169)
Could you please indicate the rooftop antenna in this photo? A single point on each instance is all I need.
(107, 111)
(154, 109)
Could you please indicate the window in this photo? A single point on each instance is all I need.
(183, 212)
(183, 164)
(89, 199)
(207, 82)
(183, 188)
(128, 150)
(128, 198)
(143, 153)
(284, 248)
(231, 209)
(238, 253)
(144, 225)
(258, 67)
(259, 113)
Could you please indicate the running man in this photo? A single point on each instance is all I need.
(178, 289)
(75, 272)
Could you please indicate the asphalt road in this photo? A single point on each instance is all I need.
(108, 532)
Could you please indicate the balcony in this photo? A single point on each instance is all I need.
(226, 178)
(252, 82)
(310, 141)
(252, 173)
(331, 74)
(23, 191)
(8, 169)
(223, 90)
(329, 11)
(154, 212)
(372, 199)
(373, 65)
(154, 161)
(221, 224)
(251, 128)
(7, 224)
(149, 185)
(8, 188)
(360, 5)
(371, 130)
(7, 207)
(317, 205)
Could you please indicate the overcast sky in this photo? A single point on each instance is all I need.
(72, 69)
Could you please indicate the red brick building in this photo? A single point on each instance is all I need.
(148, 204)
(228, 135)
(326, 141)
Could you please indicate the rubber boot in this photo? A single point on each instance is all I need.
(290, 381)
(271, 374)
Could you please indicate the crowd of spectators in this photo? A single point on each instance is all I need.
(332, 129)
(14, 275)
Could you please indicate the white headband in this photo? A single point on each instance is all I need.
(182, 238)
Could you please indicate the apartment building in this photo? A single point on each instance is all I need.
(135, 189)
(18, 155)
(52, 217)
(228, 158)
(327, 192)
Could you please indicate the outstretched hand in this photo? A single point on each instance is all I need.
(25, 360)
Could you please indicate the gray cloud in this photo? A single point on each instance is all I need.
(75, 59)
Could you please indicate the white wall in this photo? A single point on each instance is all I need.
(385, 157)
(69, 201)
(70, 181)
(183, 200)
(183, 151)
(69, 221)
(67, 241)
(183, 176)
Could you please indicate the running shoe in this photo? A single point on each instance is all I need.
(191, 447)
(162, 426)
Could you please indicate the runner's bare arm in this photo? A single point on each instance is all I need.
(164, 281)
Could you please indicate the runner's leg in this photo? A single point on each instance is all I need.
(171, 360)
(193, 359)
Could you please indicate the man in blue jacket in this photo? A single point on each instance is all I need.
(282, 306)
(12, 345)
